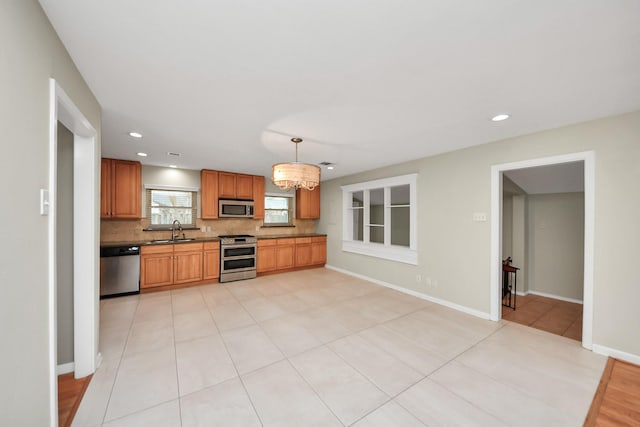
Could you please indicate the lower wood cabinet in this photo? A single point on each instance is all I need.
(303, 251)
(211, 262)
(164, 265)
(291, 252)
(188, 263)
(285, 253)
(156, 266)
(319, 250)
(266, 257)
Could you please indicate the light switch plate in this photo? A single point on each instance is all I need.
(44, 202)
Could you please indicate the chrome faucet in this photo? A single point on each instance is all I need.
(175, 233)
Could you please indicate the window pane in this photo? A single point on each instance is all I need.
(376, 234)
(376, 206)
(166, 215)
(400, 226)
(276, 217)
(171, 198)
(400, 195)
(357, 199)
(358, 225)
(276, 202)
(277, 210)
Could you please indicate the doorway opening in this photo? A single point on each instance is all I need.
(576, 281)
(543, 245)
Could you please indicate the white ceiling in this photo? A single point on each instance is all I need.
(366, 83)
(558, 178)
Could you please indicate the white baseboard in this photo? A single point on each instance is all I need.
(426, 297)
(98, 360)
(544, 294)
(607, 351)
(65, 368)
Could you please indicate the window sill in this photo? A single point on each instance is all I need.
(391, 253)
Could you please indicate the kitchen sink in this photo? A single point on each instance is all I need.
(163, 241)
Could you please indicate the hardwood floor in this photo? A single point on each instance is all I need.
(548, 314)
(70, 392)
(617, 400)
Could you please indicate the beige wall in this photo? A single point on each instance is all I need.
(507, 225)
(519, 239)
(64, 245)
(454, 250)
(31, 53)
(556, 244)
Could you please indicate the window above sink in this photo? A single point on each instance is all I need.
(166, 204)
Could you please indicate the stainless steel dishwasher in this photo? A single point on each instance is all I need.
(119, 271)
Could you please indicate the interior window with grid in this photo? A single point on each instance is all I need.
(379, 218)
(165, 206)
(278, 210)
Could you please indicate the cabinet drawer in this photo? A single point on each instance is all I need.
(319, 239)
(211, 246)
(303, 240)
(267, 242)
(291, 241)
(156, 249)
(188, 247)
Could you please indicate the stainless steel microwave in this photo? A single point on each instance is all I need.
(235, 208)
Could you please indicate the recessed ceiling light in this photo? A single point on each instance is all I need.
(135, 135)
(330, 168)
(173, 166)
(500, 117)
(142, 154)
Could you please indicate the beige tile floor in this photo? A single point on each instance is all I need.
(319, 348)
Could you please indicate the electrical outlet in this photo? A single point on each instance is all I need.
(479, 216)
(418, 278)
(257, 228)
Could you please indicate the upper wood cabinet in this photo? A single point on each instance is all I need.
(226, 185)
(121, 189)
(258, 197)
(244, 187)
(235, 186)
(308, 203)
(208, 194)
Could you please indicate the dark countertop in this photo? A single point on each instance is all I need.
(285, 236)
(148, 243)
(201, 239)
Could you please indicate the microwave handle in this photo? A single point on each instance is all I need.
(251, 210)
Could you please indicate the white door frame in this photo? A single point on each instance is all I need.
(86, 232)
(588, 157)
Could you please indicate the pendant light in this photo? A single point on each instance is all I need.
(295, 175)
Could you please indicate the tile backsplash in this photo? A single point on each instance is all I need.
(112, 230)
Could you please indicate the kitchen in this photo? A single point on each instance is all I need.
(207, 246)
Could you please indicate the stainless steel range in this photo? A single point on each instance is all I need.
(237, 257)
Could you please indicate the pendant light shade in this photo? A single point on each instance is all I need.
(295, 175)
